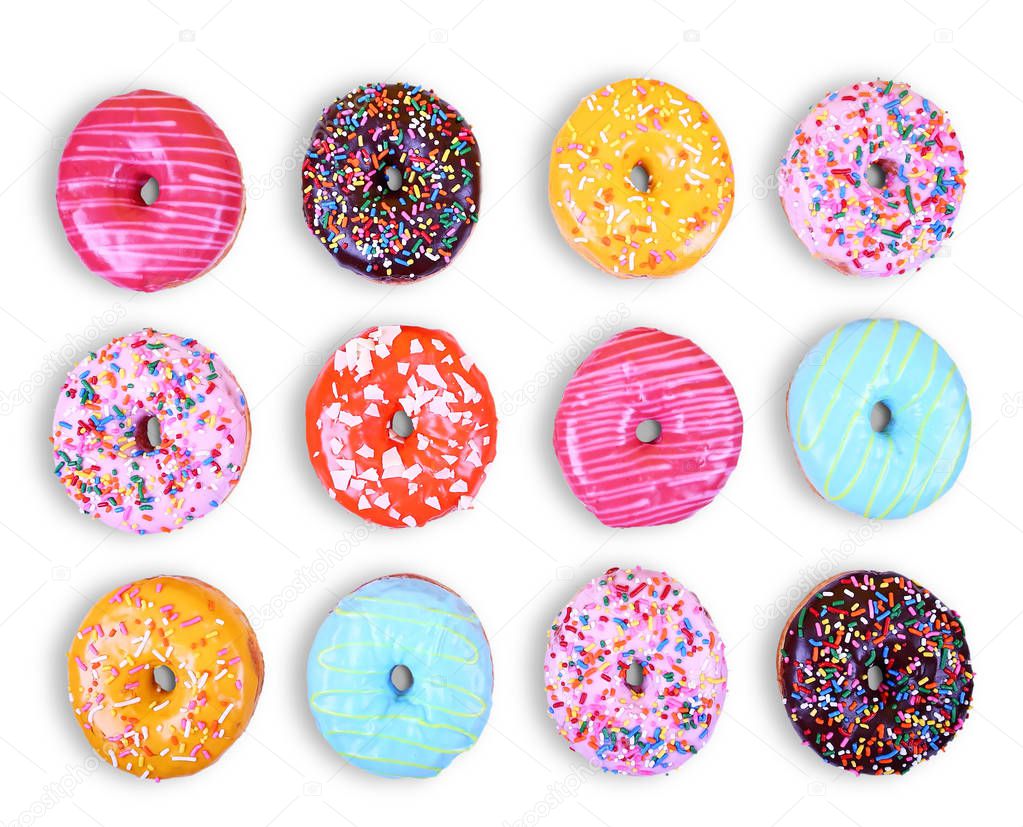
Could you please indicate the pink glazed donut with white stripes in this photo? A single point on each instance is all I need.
(125, 228)
(649, 429)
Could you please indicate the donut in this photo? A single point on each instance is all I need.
(371, 716)
(875, 672)
(391, 181)
(635, 673)
(110, 156)
(672, 223)
(401, 426)
(872, 179)
(914, 459)
(150, 432)
(163, 676)
(648, 430)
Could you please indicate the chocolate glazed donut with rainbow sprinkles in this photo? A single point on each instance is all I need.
(391, 182)
(875, 672)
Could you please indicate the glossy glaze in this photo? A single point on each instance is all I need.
(361, 460)
(101, 451)
(917, 457)
(599, 211)
(625, 617)
(639, 375)
(206, 641)
(111, 154)
(841, 218)
(417, 623)
(392, 235)
(923, 684)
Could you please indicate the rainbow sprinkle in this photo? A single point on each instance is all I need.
(392, 235)
(922, 683)
(101, 449)
(838, 214)
(625, 618)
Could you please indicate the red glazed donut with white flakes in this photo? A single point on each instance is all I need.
(649, 429)
(401, 426)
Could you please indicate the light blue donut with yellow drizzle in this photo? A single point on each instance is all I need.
(401, 620)
(915, 459)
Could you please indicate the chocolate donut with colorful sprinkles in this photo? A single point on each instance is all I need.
(875, 672)
(391, 182)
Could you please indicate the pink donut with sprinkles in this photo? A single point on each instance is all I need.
(636, 674)
(105, 191)
(873, 179)
(649, 429)
(150, 433)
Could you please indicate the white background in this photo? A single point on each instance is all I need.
(521, 303)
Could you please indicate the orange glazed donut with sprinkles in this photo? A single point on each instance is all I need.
(163, 676)
(391, 181)
(401, 426)
(641, 180)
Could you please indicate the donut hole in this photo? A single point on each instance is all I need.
(876, 175)
(402, 424)
(149, 192)
(164, 678)
(649, 430)
(880, 417)
(392, 178)
(875, 677)
(400, 678)
(634, 676)
(639, 177)
(148, 436)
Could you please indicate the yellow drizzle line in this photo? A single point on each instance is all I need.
(937, 457)
(322, 652)
(838, 454)
(880, 477)
(848, 429)
(455, 751)
(916, 443)
(927, 381)
(817, 376)
(959, 453)
(835, 393)
(467, 618)
(453, 687)
(469, 643)
(429, 767)
(313, 703)
(905, 359)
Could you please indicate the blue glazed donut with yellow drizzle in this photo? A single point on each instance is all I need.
(913, 459)
(400, 677)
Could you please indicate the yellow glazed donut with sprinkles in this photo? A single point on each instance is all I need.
(641, 180)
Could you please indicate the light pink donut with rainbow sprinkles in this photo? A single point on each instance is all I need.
(873, 179)
(635, 672)
(111, 156)
(150, 432)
